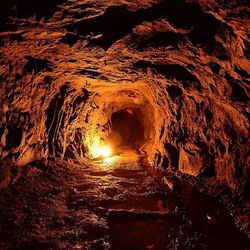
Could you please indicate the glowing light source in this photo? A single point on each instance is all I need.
(104, 151)
(99, 148)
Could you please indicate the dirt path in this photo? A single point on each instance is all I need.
(116, 205)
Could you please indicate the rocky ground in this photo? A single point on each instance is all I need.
(117, 205)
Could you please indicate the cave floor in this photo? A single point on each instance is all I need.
(112, 205)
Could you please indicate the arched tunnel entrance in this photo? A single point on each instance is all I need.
(125, 121)
(127, 129)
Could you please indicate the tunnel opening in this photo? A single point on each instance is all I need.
(127, 130)
(122, 127)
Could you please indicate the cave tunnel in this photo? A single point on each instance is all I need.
(127, 130)
(124, 125)
(124, 122)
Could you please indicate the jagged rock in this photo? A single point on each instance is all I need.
(189, 161)
(181, 67)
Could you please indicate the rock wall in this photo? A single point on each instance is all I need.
(64, 62)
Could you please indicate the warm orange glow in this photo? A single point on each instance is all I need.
(104, 151)
(100, 149)
(109, 160)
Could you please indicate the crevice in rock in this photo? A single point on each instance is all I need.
(173, 154)
(55, 120)
(204, 33)
(36, 65)
(175, 92)
(172, 71)
(239, 92)
(156, 40)
(112, 25)
(13, 137)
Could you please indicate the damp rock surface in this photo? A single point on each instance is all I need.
(110, 206)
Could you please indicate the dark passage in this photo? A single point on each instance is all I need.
(127, 129)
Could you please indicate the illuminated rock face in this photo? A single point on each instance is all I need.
(183, 66)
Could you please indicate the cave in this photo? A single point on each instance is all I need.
(124, 125)
(127, 129)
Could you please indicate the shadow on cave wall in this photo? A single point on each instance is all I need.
(59, 118)
(113, 23)
(24, 9)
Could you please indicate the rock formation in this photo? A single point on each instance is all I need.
(180, 67)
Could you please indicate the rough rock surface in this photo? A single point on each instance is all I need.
(120, 206)
(66, 66)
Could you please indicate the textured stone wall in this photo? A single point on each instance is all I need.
(64, 65)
